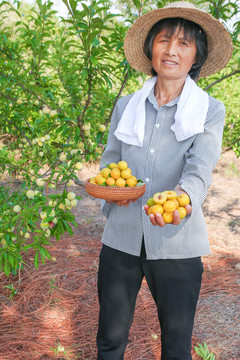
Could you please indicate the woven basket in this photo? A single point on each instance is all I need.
(115, 193)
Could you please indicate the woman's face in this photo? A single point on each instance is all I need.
(173, 55)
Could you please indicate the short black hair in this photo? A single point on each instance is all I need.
(192, 31)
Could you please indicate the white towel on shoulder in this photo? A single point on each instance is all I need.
(189, 118)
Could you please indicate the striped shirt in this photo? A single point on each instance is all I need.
(162, 163)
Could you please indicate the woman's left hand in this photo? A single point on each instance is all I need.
(157, 219)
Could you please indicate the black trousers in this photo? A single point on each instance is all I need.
(174, 285)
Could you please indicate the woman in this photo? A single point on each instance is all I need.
(170, 134)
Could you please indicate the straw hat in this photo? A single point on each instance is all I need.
(218, 38)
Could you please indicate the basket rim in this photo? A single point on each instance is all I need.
(127, 188)
(115, 192)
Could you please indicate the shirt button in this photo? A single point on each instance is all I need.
(152, 151)
(157, 125)
(147, 179)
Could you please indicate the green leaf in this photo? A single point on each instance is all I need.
(36, 259)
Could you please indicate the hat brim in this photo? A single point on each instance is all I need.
(218, 39)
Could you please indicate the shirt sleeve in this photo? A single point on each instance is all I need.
(202, 157)
(112, 153)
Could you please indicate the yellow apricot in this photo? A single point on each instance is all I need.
(113, 165)
(167, 217)
(120, 182)
(97, 177)
(110, 181)
(169, 206)
(171, 194)
(156, 209)
(159, 198)
(132, 181)
(122, 165)
(176, 202)
(105, 172)
(182, 212)
(101, 180)
(115, 173)
(183, 199)
(125, 174)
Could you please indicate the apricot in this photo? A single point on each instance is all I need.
(110, 181)
(113, 165)
(122, 165)
(159, 198)
(132, 181)
(182, 212)
(169, 206)
(150, 202)
(156, 209)
(183, 199)
(97, 177)
(167, 217)
(171, 194)
(120, 182)
(105, 172)
(176, 202)
(125, 174)
(115, 173)
(101, 180)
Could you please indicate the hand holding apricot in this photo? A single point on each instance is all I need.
(168, 207)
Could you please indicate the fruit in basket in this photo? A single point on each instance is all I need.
(105, 172)
(116, 174)
(113, 165)
(122, 165)
(166, 203)
(120, 182)
(110, 181)
(125, 174)
(132, 181)
(101, 180)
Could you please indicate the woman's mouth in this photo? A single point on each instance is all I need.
(169, 62)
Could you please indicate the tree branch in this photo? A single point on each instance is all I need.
(221, 79)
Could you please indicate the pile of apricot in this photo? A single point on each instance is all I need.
(119, 175)
(166, 202)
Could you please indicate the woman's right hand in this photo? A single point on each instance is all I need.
(120, 202)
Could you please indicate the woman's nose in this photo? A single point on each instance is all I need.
(171, 49)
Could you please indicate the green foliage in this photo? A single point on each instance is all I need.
(58, 83)
(203, 352)
(11, 290)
